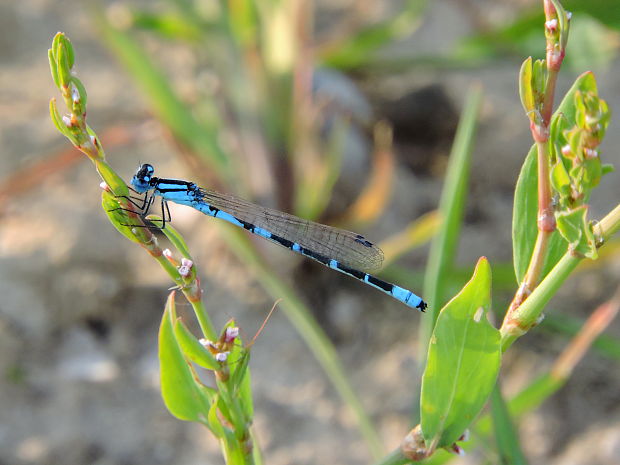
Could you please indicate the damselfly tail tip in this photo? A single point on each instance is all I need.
(422, 306)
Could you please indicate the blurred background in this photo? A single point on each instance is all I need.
(343, 112)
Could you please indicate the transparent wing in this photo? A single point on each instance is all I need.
(348, 248)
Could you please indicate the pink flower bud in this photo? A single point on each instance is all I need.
(167, 253)
(184, 271)
(187, 262)
(222, 356)
(231, 333)
(551, 25)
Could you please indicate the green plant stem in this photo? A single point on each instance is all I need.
(540, 134)
(546, 226)
(197, 305)
(203, 319)
(395, 457)
(524, 317)
(609, 225)
(547, 111)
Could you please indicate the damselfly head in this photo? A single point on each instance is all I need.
(141, 180)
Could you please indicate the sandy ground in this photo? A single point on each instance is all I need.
(81, 305)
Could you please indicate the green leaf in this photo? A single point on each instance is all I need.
(113, 180)
(239, 370)
(53, 68)
(229, 407)
(68, 47)
(592, 173)
(607, 168)
(463, 361)
(585, 83)
(575, 228)
(560, 179)
(539, 79)
(245, 391)
(117, 216)
(570, 225)
(213, 420)
(58, 122)
(563, 22)
(506, 436)
(524, 221)
(179, 386)
(451, 210)
(239, 381)
(64, 69)
(193, 349)
(525, 86)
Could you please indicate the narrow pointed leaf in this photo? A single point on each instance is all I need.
(58, 122)
(213, 420)
(53, 69)
(182, 396)
(506, 436)
(193, 349)
(451, 210)
(245, 393)
(525, 86)
(117, 217)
